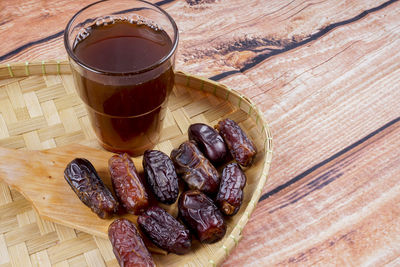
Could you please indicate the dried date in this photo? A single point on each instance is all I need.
(230, 194)
(126, 183)
(87, 185)
(161, 176)
(209, 142)
(202, 216)
(195, 169)
(128, 245)
(165, 231)
(241, 147)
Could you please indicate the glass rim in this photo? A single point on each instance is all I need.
(72, 55)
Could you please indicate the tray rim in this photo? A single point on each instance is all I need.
(236, 98)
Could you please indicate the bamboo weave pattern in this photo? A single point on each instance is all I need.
(43, 111)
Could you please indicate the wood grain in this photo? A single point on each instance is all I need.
(339, 214)
(326, 75)
(38, 176)
(341, 72)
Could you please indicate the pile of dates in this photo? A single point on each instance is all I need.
(209, 196)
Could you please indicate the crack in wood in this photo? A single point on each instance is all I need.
(326, 161)
(256, 44)
(316, 184)
(199, 2)
(30, 44)
(5, 21)
(164, 2)
(239, 52)
(298, 43)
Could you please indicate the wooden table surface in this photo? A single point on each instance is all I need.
(326, 74)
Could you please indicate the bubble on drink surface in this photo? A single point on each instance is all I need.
(112, 19)
(152, 26)
(105, 20)
(134, 19)
(82, 34)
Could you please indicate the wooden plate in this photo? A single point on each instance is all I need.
(39, 109)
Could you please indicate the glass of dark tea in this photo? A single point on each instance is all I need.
(122, 56)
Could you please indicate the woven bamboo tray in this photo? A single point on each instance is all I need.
(39, 109)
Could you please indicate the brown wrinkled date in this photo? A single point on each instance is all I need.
(126, 183)
(128, 245)
(87, 185)
(165, 231)
(209, 142)
(202, 216)
(161, 176)
(241, 147)
(230, 194)
(195, 169)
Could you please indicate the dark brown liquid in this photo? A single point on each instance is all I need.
(126, 110)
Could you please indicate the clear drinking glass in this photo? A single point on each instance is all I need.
(122, 56)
